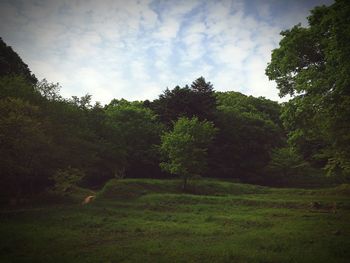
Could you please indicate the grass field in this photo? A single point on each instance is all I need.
(152, 221)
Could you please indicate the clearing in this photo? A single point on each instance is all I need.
(146, 220)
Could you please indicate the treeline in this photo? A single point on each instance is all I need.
(43, 134)
(46, 138)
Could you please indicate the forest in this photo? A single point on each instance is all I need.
(303, 142)
(53, 145)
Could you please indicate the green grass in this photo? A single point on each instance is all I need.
(153, 221)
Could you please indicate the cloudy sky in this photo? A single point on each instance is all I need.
(134, 49)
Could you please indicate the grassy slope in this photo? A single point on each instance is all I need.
(152, 221)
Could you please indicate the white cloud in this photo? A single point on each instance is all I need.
(168, 30)
(135, 49)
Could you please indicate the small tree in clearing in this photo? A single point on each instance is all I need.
(186, 147)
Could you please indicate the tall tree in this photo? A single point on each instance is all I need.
(173, 104)
(204, 101)
(312, 65)
(195, 101)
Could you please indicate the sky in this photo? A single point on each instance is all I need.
(135, 49)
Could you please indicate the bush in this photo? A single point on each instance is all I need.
(65, 179)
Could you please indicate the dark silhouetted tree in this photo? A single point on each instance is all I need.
(12, 65)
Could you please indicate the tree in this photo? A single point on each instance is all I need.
(12, 65)
(19, 87)
(186, 147)
(204, 101)
(286, 164)
(136, 132)
(305, 133)
(195, 101)
(247, 134)
(24, 147)
(49, 91)
(312, 65)
(173, 104)
(65, 179)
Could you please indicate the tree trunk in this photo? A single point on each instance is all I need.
(184, 185)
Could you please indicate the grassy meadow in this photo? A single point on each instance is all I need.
(145, 220)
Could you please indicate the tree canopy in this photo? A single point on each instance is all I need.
(185, 147)
(195, 101)
(312, 66)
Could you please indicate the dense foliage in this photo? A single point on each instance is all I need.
(249, 130)
(312, 65)
(195, 101)
(12, 64)
(186, 147)
(48, 141)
